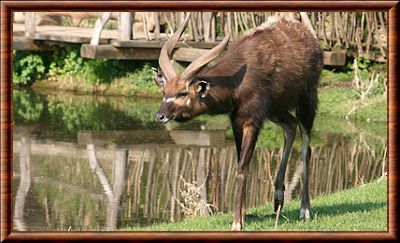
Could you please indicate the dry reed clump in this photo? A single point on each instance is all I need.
(363, 87)
(192, 204)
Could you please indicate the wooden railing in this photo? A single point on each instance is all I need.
(363, 33)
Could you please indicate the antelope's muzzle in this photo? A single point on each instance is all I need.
(165, 113)
(161, 117)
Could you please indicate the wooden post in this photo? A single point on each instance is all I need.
(229, 24)
(133, 14)
(157, 25)
(207, 16)
(214, 27)
(30, 24)
(98, 28)
(145, 27)
(307, 22)
(125, 26)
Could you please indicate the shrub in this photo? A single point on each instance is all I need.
(99, 72)
(143, 79)
(27, 69)
(65, 61)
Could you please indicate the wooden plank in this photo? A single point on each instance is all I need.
(159, 43)
(184, 54)
(66, 33)
(111, 52)
(137, 44)
(63, 38)
(27, 44)
(334, 58)
(18, 29)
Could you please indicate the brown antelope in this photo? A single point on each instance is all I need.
(272, 70)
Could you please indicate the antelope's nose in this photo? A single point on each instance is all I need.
(161, 118)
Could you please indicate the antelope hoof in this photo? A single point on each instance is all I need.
(305, 214)
(236, 227)
(278, 200)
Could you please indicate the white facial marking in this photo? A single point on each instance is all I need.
(188, 102)
(185, 114)
(171, 99)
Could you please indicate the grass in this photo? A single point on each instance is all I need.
(329, 77)
(338, 102)
(358, 209)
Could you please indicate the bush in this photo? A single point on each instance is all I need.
(141, 80)
(27, 69)
(143, 77)
(99, 72)
(65, 61)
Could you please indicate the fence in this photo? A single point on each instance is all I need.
(360, 33)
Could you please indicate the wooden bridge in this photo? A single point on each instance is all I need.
(128, 43)
(47, 38)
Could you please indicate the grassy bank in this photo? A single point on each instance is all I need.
(359, 209)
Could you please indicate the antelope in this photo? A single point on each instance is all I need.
(265, 75)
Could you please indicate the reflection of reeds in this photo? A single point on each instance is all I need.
(332, 168)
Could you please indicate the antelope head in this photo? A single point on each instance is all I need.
(183, 93)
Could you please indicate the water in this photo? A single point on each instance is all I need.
(102, 163)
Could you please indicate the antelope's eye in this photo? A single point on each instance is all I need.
(183, 94)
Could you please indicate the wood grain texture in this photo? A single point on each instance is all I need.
(6, 114)
(6, 122)
(393, 122)
(191, 236)
(200, 5)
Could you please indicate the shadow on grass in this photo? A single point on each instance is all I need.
(320, 210)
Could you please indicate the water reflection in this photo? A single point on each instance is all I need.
(95, 177)
(24, 184)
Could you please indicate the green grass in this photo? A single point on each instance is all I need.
(338, 102)
(358, 209)
(329, 77)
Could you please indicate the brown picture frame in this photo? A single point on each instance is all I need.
(7, 7)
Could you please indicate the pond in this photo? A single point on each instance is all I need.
(83, 162)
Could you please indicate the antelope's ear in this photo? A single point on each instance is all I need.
(159, 78)
(201, 88)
